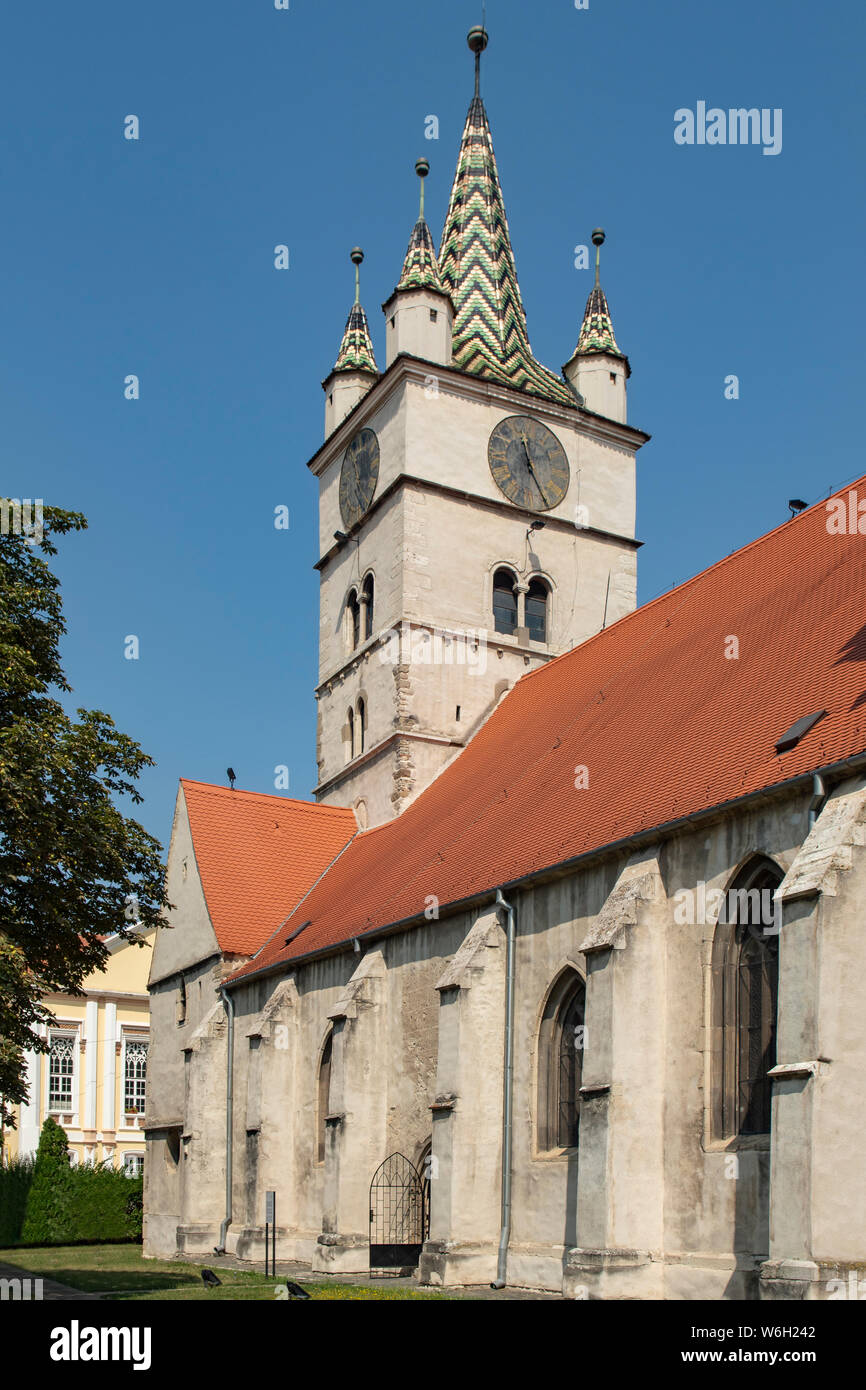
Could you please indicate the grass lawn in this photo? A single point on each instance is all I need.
(265, 1291)
(121, 1269)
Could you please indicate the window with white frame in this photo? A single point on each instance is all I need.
(133, 1165)
(61, 1072)
(134, 1075)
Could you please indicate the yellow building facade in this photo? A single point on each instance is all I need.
(93, 1079)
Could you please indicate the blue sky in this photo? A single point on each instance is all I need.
(301, 127)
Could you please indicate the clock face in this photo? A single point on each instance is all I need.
(358, 477)
(528, 463)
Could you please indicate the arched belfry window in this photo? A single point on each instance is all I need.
(745, 986)
(361, 726)
(504, 602)
(323, 1096)
(537, 599)
(350, 734)
(560, 1063)
(353, 620)
(367, 592)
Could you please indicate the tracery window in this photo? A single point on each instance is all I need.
(134, 1075)
(745, 985)
(560, 1063)
(61, 1072)
(323, 1095)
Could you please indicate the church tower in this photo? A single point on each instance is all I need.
(476, 511)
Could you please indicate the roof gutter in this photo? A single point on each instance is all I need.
(819, 798)
(507, 1097)
(229, 1005)
(831, 772)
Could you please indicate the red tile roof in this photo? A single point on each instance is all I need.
(665, 723)
(257, 856)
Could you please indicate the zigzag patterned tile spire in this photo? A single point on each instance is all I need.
(476, 266)
(356, 349)
(420, 267)
(596, 333)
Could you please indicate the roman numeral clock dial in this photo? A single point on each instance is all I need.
(528, 463)
(358, 476)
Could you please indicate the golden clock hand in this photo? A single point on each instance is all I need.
(533, 472)
(352, 486)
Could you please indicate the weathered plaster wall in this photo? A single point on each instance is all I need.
(655, 1205)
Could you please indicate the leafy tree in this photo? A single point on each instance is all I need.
(73, 869)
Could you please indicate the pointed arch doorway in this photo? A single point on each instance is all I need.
(398, 1213)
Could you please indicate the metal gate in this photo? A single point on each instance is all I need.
(398, 1216)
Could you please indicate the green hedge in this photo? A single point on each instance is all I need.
(45, 1201)
(15, 1182)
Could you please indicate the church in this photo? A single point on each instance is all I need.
(557, 983)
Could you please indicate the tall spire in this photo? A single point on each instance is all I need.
(476, 265)
(356, 349)
(596, 333)
(420, 267)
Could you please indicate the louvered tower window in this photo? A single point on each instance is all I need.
(368, 606)
(504, 603)
(536, 610)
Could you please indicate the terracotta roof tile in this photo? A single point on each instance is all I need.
(664, 722)
(258, 855)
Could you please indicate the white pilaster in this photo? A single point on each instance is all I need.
(30, 1116)
(109, 1066)
(91, 1035)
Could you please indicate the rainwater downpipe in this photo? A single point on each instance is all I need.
(819, 798)
(508, 1097)
(228, 1002)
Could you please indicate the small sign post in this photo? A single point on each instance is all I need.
(270, 1226)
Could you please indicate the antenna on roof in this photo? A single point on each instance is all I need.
(797, 505)
(230, 774)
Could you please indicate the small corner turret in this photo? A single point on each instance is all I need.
(419, 314)
(597, 369)
(355, 370)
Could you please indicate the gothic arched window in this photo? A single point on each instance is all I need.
(745, 985)
(504, 602)
(323, 1096)
(353, 620)
(368, 606)
(350, 735)
(361, 725)
(560, 1063)
(536, 610)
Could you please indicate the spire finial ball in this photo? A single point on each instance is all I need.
(598, 237)
(356, 255)
(422, 168)
(477, 38)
